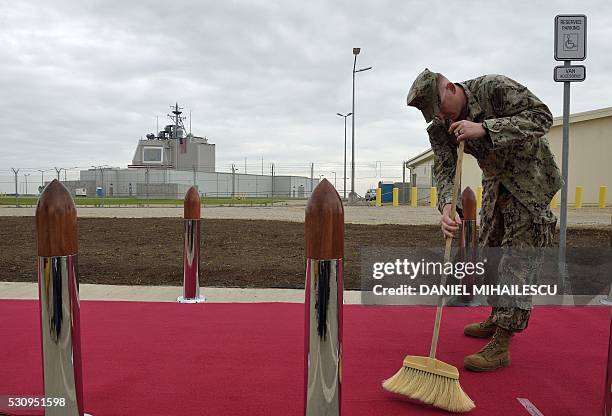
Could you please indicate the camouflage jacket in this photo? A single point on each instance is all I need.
(514, 153)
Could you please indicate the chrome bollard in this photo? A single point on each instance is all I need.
(324, 235)
(58, 291)
(468, 246)
(191, 249)
(469, 239)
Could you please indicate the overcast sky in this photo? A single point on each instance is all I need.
(81, 82)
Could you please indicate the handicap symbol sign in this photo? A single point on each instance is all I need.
(571, 42)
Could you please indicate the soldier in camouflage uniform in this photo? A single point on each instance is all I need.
(503, 126)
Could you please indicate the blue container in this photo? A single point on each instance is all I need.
(99, 191)
(386, 189)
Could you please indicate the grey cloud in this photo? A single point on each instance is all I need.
(82, 81)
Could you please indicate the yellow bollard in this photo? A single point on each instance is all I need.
(578, 203)
(554, 202)
(395, 197)
(433, 197)
(602, 196)
(378, 197)
(413, 196)
(479, 197)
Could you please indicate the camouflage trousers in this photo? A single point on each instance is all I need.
(508, 224)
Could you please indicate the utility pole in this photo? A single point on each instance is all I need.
(403, 182)
(58, 172)
(233, 178)
(272, 184)
(245, 165)
(311, 177)
(16, 171)
(262, 166)
(344, 116)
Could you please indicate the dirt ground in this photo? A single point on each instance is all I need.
(235, 253)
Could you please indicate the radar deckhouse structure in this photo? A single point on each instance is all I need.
(171, 148)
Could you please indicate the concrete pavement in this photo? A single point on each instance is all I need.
(360, 214)
(20, 290)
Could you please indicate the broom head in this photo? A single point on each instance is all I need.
(432, 382)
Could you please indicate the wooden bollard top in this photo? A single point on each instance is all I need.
(468, 201)
(56, 222)
(324, 224)
(192, 204)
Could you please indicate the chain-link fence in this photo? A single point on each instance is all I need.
(235, 181)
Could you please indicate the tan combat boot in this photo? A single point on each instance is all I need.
(484, 329)
(493, 355)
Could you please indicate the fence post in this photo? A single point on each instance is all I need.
(58, 293)
(191, 249)
(324, 240)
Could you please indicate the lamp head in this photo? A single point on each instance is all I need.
(356, 51)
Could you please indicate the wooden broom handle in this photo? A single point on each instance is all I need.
(448, 248)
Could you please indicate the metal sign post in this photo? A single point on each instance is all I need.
(570, 44)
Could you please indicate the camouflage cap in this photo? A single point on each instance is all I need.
(424, 95)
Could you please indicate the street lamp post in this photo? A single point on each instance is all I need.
(353, 195)
(344, 116)
(42, 178)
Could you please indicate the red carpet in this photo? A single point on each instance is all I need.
(246, 359)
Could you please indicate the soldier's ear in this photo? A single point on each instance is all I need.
(451, 87)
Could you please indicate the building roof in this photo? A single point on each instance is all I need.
(584, 116)
(421, 157)
(557, 121)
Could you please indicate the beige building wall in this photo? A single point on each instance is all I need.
(590, 150)
(589, 157)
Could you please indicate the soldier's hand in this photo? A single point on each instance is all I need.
(467, 130)
(449, 227)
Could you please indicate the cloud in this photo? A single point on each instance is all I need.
(82, 82)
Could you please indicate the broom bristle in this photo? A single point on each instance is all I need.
(436, 390)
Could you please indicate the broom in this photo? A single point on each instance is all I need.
(425, 378)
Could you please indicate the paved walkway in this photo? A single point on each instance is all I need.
(20, 290)
(589, 216)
